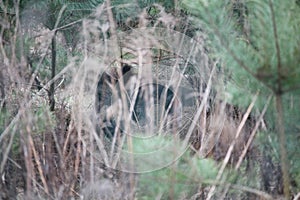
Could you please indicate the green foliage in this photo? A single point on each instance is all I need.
(37, 122)
(153, 153)
(291, 119)
(180, 180)
(59, 13)
(255, 59)
(251, 55)
(258, 43)
(45, 68)
(178, 174)
(43, 120)
(4, 119)
(124, 9)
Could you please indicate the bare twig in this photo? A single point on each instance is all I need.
(200, 109)
(252, 135)
(230, 149)
(279, 107)
(37, 160)
(297, 197)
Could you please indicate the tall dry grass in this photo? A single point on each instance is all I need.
(65, 154)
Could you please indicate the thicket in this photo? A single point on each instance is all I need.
(240, 141)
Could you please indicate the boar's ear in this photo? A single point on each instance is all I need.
(126, 68)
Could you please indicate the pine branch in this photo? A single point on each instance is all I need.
(279, 108)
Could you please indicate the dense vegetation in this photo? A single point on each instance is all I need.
(79, 119)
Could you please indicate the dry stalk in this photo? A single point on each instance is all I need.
(200, 109)
(28, 163)
(79, 129)
(67, 140)
(252, 135)
(230, 149)
(249, 142)
(7, 150)
(261, 194)
(37, 160)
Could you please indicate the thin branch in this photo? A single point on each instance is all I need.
(280, 112)
(276, 40)
(230, 149)
(283, 150)
(7, 149)
(297, 197)
(37, 160)
(259, 193)
(201, 107)
(252, 135)
(28, 104)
